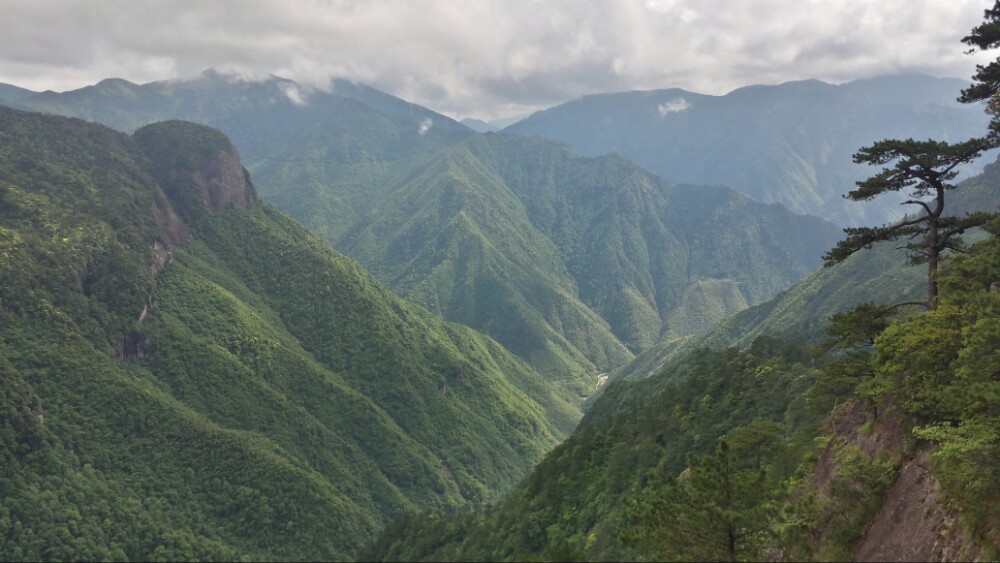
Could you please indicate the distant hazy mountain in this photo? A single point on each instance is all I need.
(790, 143)
(507, 121)
(479, 125)
(187, 373)
(10, 93)
(260, 116)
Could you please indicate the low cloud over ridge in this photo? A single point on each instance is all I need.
(487, 59)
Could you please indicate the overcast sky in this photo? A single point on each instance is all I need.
(486, 58)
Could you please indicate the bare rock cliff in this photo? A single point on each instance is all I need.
(197, 167)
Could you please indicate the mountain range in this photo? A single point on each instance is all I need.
(790, 143)
(751, 437)
(574, 264)
(188, 373)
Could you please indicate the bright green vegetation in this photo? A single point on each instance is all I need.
(790, 143)
(189, 379)
(882, 274)
(921, 171)
(722, 454)
(581, 498)
(573, 264)
(942, 366)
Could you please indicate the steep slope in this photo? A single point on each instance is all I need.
(831, 457)
(578, 502)
(878, 275)
(260, 116)
(573, 264)
(187, 373)
(790, 143)
(529, 242)
(772, 453)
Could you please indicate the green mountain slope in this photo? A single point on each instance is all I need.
(559, 256)
(818, 449)
(791, 143)
(188, 373)
(574, 264)
(878, 275)
(575, 504)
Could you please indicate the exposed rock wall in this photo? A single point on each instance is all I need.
(913, 524)
(198, 169)
(223, 182)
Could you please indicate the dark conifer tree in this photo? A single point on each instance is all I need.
(924, 171)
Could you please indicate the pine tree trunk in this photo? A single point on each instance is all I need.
(933, 249)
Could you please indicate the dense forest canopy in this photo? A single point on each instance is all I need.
(188, 373)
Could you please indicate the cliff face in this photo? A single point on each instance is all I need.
(198, 171)
(197, 167)
(875, 496)
(913, 524)
(223, 182)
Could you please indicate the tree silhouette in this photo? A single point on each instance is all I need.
(922, 170)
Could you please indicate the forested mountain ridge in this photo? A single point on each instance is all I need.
(189, 374)
(775, 447)
(260, 116)
(880, 275)
(574, 264)
(773, 451)
(790, 143)
(594, 252)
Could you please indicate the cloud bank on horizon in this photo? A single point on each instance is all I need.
(487, 58)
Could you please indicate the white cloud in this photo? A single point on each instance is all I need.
(425, 126)
(294, 93)
(675, 105)
(487, 58)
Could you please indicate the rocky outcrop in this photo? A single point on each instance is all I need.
(883, 496)
(225, 183)
(198, 171)
(913, 524)
(176, 233)
(197, 167)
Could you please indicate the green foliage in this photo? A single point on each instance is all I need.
(574, 264)
(826, 526)
(950, 382)
(713, 512)
(621, 487)
(921, 169)
(251, 395)
(985, 37)
(577, 498)
(879, 275)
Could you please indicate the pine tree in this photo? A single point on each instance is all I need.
(921, 169)
(713, 512)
